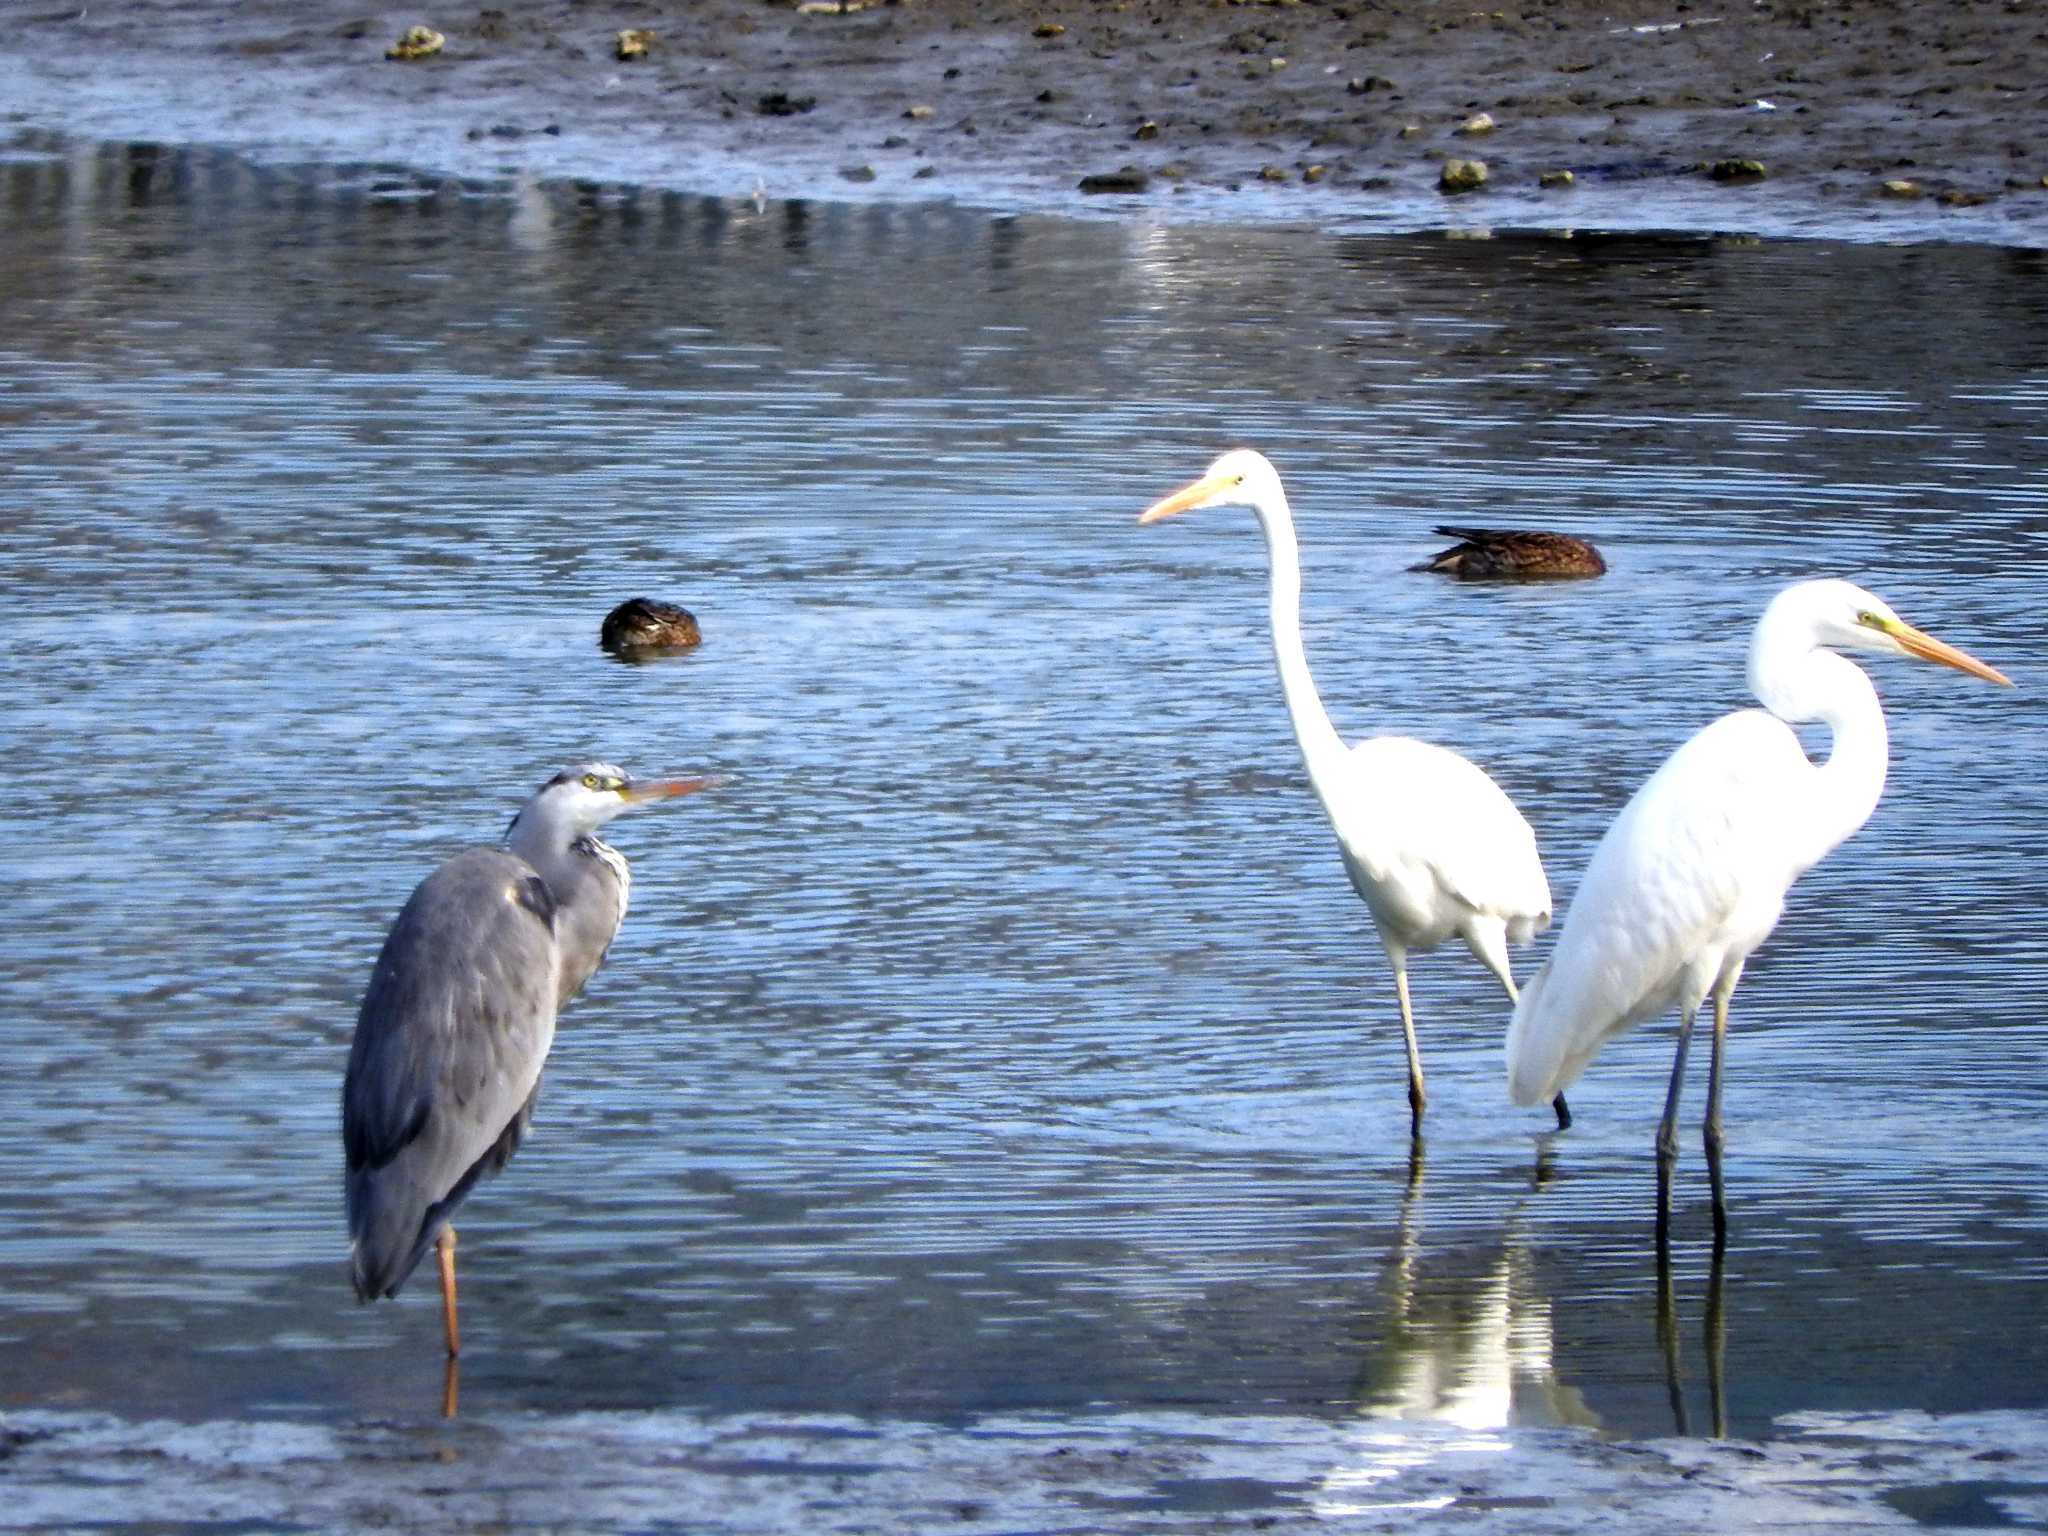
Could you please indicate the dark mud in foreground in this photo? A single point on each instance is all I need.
(1341, 114)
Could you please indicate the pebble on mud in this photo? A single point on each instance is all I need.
(1048, 29)
(1128, 179)
(1315, 173)
(1146, 130)
(1477, 123)
(1898, 186)
(633, 43)
(1462, 176)
(1737, 170)
(416, 43)
(1557, 179)
(1273, 173)
(857, 172)
(782, 104)
(918, 114)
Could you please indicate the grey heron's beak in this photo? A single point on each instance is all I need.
(645, 791)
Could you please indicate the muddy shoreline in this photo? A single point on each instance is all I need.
(1340, 114)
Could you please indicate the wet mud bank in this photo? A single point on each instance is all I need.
(768, 1475)
(1879, 119)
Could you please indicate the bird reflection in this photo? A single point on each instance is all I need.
(1715, 1328)
(1477, 1353)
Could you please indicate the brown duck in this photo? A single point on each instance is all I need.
(1513, 554)
(640, 628)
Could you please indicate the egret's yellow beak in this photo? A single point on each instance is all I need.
(641, 791)
(1927, 648)
(1188, 496)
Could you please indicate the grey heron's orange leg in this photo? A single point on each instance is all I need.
(1667, 1129)
(444, 1251)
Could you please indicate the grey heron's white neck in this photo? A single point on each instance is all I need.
(561, 852)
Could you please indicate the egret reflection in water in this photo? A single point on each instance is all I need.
(1478, 1351)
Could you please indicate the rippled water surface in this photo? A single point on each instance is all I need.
(1006, 1037)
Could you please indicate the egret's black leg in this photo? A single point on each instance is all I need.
(1714, 1137)
(1717, 1341)
(1667, 1130)
(1416, 1098)
(1564, 1113)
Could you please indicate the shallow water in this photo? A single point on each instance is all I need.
(1005, 1038)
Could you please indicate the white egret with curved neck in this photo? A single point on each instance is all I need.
(1692, 875)
(1431, 843)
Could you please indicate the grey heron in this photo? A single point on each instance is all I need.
(460, 1012)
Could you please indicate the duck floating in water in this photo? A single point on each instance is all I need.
(1514, 554)
(640, 628)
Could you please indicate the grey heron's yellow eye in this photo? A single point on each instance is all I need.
(592, 781)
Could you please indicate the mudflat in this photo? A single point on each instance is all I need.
(1793, 114)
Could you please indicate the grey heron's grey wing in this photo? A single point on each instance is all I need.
(454, 1028)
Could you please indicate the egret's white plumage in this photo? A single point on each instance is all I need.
(1431, 843)
(1692, 875)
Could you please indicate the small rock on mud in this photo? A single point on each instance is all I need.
(1462, 176)
(1128, 179)
(416, 43)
